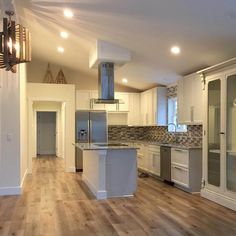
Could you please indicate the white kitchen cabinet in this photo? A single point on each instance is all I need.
(94, 106)
(154, 159)
(219, 128)
(186, 168)
(154, 107)
(190, 100)
(125, 113)
(149, 158)
(140, 155)
(134, 109)
(122, 106)
(82, 100)
(159, 95)
(124, 98)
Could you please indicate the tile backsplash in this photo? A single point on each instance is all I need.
(193, 136)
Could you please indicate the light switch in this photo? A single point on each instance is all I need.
(9, 137)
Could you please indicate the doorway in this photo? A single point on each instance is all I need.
(46, 133)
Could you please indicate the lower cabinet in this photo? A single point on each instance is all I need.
(186, 168)
(154, 159)
(148, 158)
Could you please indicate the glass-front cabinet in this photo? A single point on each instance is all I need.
(219, 139)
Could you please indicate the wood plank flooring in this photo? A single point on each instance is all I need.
(58, 203)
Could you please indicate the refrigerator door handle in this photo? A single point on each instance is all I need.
(90, 131)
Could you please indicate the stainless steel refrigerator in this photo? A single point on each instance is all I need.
(91, 127)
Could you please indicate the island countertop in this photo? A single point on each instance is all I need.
(105, 146)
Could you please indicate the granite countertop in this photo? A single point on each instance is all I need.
(173, 145)
(105, 146)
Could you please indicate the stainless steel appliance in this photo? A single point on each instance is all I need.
(166, 163)
(91, 127)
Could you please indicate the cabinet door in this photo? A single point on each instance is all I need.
(154, 163)
(94, 94)
(180, 101)
(143, 108)
(149, 104)
(180, 175)
(82, 100)
(124, 97)
(159, 102)
(197, 100)
(188, 95)
(134, 109)
(190, 100)
(140, 155)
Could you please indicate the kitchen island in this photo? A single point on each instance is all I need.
(109, 170)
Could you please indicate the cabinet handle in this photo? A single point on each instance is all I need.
(180, 150)
(178, 168)
(222, 132)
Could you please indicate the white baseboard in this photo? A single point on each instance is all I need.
(219, 198)
(100, 194)
(70, 169)
(17, 190)
(10, 191)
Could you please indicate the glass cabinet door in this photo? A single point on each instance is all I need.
(214, 123)
(231, 134)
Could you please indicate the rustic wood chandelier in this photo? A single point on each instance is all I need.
(15, 44)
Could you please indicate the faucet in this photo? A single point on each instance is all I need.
(175, 138)
(173, 125)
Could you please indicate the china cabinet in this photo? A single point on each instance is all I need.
(219, 144)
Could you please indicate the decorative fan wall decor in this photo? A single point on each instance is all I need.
(60, 79)
(48, 78)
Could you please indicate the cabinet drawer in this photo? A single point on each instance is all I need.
(180, 157)
(180, 175)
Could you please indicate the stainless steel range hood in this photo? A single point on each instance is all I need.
(106, 84)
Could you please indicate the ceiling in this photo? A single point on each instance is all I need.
(204, 29)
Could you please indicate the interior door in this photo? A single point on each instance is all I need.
(46, 133)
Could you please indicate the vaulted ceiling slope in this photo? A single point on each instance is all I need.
(204, 29)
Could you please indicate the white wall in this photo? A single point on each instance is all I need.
(55, 93)
(23, 122)
(37, 69)
(10, 164)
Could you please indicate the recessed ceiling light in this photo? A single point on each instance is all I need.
(175, 50)
(68, 13)
(60, 49)
(64, 35)
(124, 80)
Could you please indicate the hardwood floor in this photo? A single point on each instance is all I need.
(58, 203)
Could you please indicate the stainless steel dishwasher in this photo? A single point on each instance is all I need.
(166, 163)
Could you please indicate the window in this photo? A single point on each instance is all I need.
(173, 126)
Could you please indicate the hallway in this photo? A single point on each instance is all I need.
(58, 203)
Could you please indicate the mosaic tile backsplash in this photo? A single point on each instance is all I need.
(193, 136)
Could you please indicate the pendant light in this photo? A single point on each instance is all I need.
(15, 45)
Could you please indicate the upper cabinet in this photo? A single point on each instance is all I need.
(154, 107)
(190, 100)
(122, 106)
(134, 109)
(83, 99)
(129, 104)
